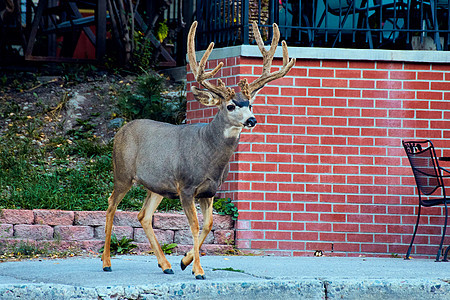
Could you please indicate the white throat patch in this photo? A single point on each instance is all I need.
(232, 132)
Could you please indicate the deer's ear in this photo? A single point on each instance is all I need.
(206, 97)
(253, 95)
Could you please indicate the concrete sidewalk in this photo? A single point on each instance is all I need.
(228, 277)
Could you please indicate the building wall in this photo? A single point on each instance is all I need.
(324, 169)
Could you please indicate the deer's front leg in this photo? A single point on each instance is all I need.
(191, 214)
(206, 206)
(145, 216)
(114, 200)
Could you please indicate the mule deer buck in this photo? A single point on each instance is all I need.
(187, 161)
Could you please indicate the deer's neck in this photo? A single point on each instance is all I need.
(221, 137)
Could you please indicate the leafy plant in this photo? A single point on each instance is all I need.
(167, 248)
(142, 56)
(162, 31)
(147, 101)
(122, 246)
(224, 206)
(18, 81)
(82, 129)
(170, 204)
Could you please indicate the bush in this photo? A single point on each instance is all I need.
(148, 101)
(224, 206)
(142, 57)
(122, 246)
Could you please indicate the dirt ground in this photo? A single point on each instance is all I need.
(59, 106)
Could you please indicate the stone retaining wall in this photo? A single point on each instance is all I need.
(85, 230)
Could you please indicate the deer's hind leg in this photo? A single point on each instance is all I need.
(117, 195)
(145, 217)
(193, 255)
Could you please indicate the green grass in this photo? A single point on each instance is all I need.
(68, 173)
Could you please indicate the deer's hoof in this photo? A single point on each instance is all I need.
(168, 271)
(200, 277)
(182, 265)
(107, 269)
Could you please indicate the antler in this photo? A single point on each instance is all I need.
(201, 76)
(249, 90)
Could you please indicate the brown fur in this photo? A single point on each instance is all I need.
(185, 161)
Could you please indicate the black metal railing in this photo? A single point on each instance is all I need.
(381, 24)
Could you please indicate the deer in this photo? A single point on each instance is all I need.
(187, 161)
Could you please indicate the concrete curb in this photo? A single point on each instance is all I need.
(387, 289)
(198, 290)
(267, 289)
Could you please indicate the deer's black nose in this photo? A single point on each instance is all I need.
(251, 122)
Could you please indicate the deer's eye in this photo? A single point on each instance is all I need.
(250, 107)
(231, 107)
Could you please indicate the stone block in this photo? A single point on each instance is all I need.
(185, 237)
(215, 249)
(163, 236)
(209, 249)
(90, 218)
(74, 233)
(11, 243)
(143, 247)
(180, 222)
(55, 245)
(16, 216)
(170, 221)
(182, 249)
(139, 236)
(222, 222)
(92, 246)
(224, 237)
(33, 232)
(119, 231)
(6, 230)
(126, 218)
(53, 217)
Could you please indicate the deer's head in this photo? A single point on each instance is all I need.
(237, 106)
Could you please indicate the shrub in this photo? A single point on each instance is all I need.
(122, 246)
(142, 56)
(224, 206)
(148, 101)
(168, 248)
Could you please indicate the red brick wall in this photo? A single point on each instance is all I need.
(325, 168)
